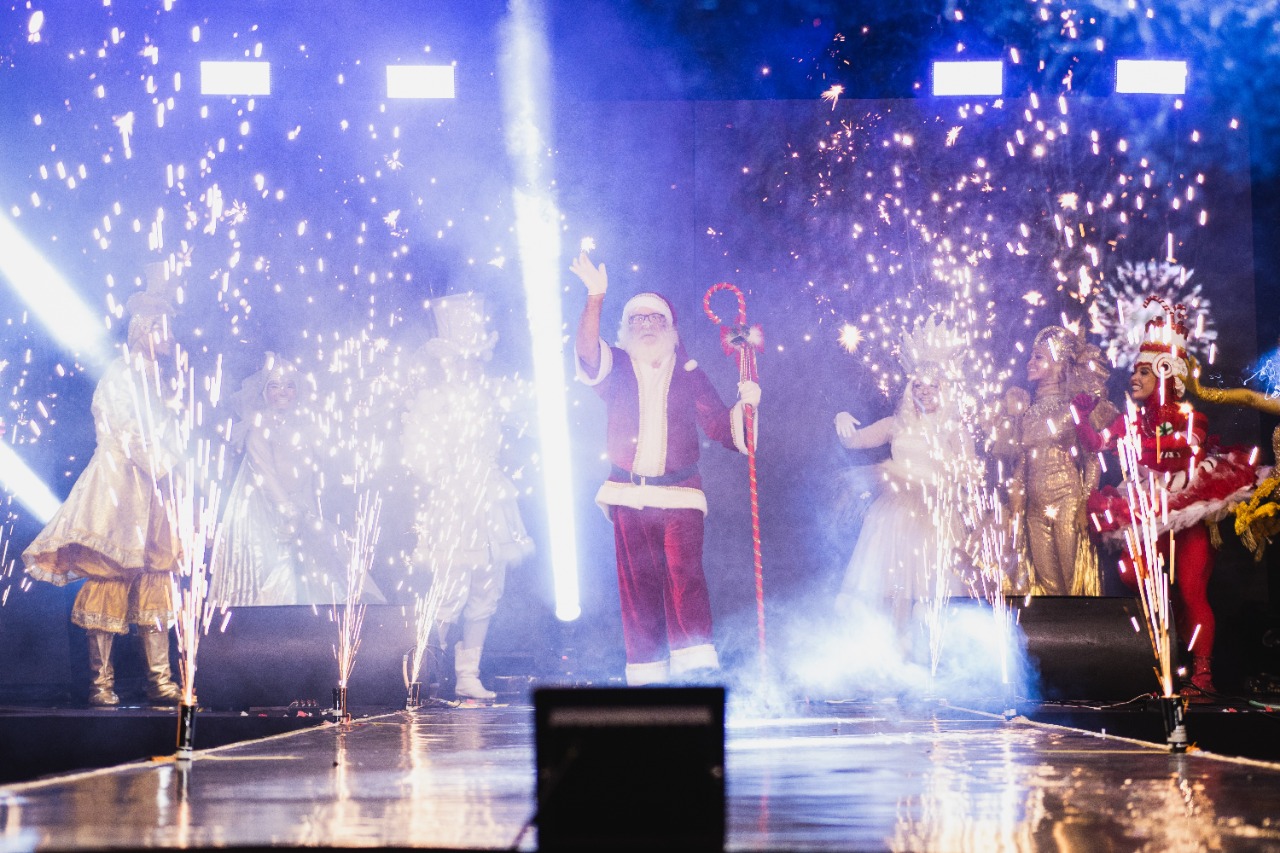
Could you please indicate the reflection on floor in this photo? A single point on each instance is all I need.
(854, 776)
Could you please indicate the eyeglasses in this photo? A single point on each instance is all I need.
(659, 320)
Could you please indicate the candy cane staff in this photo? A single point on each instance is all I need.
(743, 342)
(657, 399)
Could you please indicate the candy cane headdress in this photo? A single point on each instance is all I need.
(1164, 344)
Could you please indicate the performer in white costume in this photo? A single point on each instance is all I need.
(113, 530)
(274, 546)
(909, 548)
(469, 526)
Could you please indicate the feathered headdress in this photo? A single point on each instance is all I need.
(930, 343)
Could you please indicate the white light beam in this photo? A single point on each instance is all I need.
(525, 91)
(23, 484)
(53, 301)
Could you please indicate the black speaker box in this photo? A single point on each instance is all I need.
(1089, 648)
(630, 768)
(272, 656)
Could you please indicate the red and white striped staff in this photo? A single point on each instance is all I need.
(743, 341)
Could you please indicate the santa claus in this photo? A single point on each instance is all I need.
(657, 400)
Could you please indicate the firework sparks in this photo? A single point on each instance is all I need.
(833, 94)
(1148, 507)
(851, 337)
(350, 619)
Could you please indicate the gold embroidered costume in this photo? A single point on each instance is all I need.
(1052, 475)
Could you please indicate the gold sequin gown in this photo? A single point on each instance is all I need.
(1057, 475)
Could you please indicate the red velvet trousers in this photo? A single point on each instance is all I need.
(1192, 568)
(665, 604)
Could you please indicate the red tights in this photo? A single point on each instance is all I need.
(1191, 571)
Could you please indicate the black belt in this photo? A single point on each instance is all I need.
(621, 475)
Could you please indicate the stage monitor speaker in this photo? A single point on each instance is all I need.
(1088, 648)
(272, 656)
(630, 768)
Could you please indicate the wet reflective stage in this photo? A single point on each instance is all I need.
(830, 777)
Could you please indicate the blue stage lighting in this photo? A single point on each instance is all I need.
(51, 299)
(1151, 76)
(235, 78)
(23, 484)
(420, 81)
(978, 77)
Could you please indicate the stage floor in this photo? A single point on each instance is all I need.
(850, 776)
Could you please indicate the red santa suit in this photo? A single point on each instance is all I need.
(654, 498)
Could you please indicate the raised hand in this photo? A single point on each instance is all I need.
(594, 277)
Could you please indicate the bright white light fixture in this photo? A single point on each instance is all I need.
(24, 485)
(420, 81)
(1151, 76)
(978, 77)
(51, 299)
(235, 78)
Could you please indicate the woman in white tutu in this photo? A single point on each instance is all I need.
(909, 549)
(273, 546)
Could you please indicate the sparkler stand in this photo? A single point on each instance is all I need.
(413, 701)
(186, 730)
(1174, 710)
(1009, 699)
(340, 709)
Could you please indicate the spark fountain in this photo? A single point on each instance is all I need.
(194, 515)
(350, 618)
(1148, 503)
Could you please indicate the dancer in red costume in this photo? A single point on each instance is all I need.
(1201, 481)
(657, 399)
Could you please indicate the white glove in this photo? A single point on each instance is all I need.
(594, 277)
(846, 425)
(749, 393)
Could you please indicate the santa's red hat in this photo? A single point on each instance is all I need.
(655, 303)
(650, 303)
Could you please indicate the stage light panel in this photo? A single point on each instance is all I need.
(420, 81)
(235, 78)
(977, 77)
(1151, 77)
(23, 484)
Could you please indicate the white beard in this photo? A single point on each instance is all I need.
(654, 353)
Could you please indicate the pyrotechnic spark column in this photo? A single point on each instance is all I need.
(1148, 505)
(191, 501)
(525, 97)
(351, 619)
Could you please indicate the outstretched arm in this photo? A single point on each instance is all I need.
(1229, 396)
(880, 432)
(587, 345)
